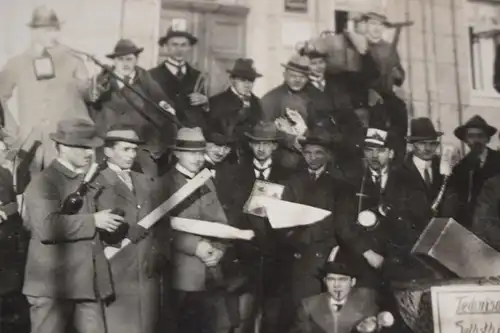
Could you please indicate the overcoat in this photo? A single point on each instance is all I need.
(136, 304)
(120, 106)
(42, 104)
(228, 112)
(468, 179)
(65, 255)
(178, 90)
(189, 272)
(315, 315)
(486, 221)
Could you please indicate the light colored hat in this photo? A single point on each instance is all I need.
(189, 139)
(77, 132)
(122, 134)
(263, 131)
(376, 137)
(44, 16)
(298, 63)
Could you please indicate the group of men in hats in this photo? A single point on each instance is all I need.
(340, 154)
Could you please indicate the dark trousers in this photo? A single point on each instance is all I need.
(14, 313)
(49, 315)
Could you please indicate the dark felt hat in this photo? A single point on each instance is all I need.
(333, 267)
(263, 131)
(171, 33)
(298, 63)
(123, 134)
(77, 132)
(422, 129)
(220, 139)
(44, 16)
(317, 136)
(125, 47)
(245, 69)
(189, 139)
(475, 122)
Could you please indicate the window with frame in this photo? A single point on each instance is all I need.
(483, 25)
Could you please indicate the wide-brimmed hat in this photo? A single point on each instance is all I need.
(474, 122)
(171, 33)
(44, 16)
(189, 139)
(123, 134)
(422, 129)
(317, 136)
(125, 47)
(298, 63)
(334, 267)
(77, 132)
(375, 16)
(245, 69)
(263, 131)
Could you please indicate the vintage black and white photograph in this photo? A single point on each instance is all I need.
(249, 166)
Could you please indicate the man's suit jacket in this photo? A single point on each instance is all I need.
(64, 251)
(178, 91)
(227, 113)
(305, 250)
(469, 181)
(136, 285)
(315, 315)
(486, 221)
(189, 272)
(412, 200)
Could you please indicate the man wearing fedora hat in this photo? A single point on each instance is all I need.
(305, 250)
(182, 83)
(418, 182)
(194, 258)
(480, 164)
(341, 308)
(237, 109)
(67, 275)
(121, 105)
(52, 84)
(135, 271)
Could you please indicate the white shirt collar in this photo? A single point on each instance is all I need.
(318, 172)
(184, 171)
(265, 165)
(383, 174)
(131, 76)
(265, 168)
(173, 65)
(70, 167)
(422, 166)
(116, 168)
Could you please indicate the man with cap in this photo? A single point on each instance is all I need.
(305, 250)
(52, 84)
(237, 109)
(341, 308)
(194, 258)
(120, 104)
(182, 83)
(67, 275)
(414, 198)
(480, 164)
(134, 271)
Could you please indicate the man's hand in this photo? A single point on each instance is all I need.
(197, 99)
(105, 220)
(374, 259)
(214, 258)
(204, 250)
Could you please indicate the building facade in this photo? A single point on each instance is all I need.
(449, 69)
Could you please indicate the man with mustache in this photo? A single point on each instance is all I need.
(480, 164)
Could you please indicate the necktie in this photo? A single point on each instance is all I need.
(427, 177)
(377, 181)
(125, 177)
(260, 173)
(312, 176)
(180, 72)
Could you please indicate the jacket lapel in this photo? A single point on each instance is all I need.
(119, 186)
(140, 187)
(322, 315)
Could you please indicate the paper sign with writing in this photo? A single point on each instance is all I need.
(466, 309)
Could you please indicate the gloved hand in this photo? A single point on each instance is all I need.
(136, 233)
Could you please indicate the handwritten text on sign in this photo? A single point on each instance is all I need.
(466, 309)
